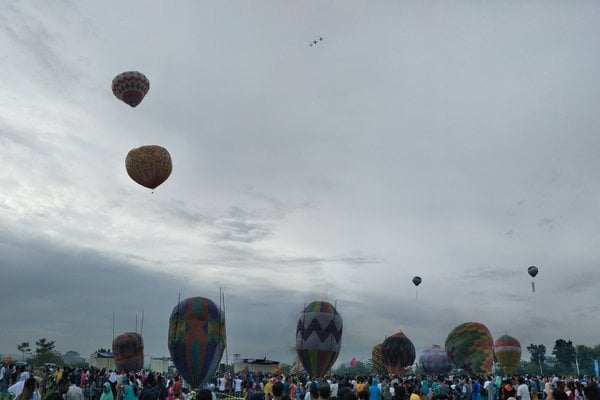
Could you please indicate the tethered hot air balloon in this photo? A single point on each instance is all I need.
(130, 87)
(398, 353)
(508, 353)
(470, 346)
(532, 271)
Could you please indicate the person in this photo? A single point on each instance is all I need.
(374, 391)
(237, 386)
(475, 389)
(107, 393)
(415, 393)
(62, 386)
(523, 390)
(128, 393)
(324, 391)
(29, 390)
(277, 390)
(74, 392)
(16, 389)
(507, 390)
(150, 391)
(204, 394)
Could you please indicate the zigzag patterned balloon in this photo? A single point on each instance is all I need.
(319, 337)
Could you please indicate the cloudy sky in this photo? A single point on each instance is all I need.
(457, 141)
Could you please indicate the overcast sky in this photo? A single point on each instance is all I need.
(457, 141)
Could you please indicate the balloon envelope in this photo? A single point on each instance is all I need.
(533, 271)
(508, 353)
(149, 165)
(196, 338)
(130, 87)
(435, 360)
(318, 337)
(470, 346)
(128, 350)
(377, 358)
(398, 353)
(417, 280)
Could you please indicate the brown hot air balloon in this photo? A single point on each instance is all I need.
(149, 165)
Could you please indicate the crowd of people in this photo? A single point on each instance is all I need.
(94, 384)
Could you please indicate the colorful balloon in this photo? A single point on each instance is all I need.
(318, 337)
(417, 280)
(196, 339)
(128, 350)
(470, 346)
(130, 87)
(149, 165)
(533, 271)
(398, 353)
(508, 353)
(435, 360)
(377, 358)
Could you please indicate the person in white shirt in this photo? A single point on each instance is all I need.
(523, 390)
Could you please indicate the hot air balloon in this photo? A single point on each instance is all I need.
(417, 280)
(470, 346)
(149, 165)
(377, 358)
(353, 362)
(533, 271)
(318, 337)
(435, 360)
(398, 353)
(508, 353)
(128, 350)
(196, 338)
(130, 87)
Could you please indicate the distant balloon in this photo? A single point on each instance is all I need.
(398, 353)
(417, 280)
(508, 353)
(318, 337)
(149, 165)
(196, 339)
(470, 346)
(128, 350)
(353, 362)
(435, 360)
(377, 358)
(130, 87)
(533, 271)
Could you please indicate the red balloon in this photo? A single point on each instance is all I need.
(149, 165)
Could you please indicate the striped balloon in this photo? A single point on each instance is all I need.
(398, 353)
(128, 350)
(196, 338)
(470, 346)
(318, 337)
(435, 361)
(508, 353)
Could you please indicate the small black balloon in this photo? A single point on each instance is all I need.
(533, 271)
(417, 280)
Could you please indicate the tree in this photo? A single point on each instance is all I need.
(538, 355)
(565, 356)
(44, 346)
(24, 348)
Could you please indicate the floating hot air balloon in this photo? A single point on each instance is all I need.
(318, 337)
(196, 338)
(130, 87)
(377, 358)
(149, 165)
(533, 271)
(470, 346)
(128, 350)
(508, 353)
(417, 280)
(435, 361)
(398, 353)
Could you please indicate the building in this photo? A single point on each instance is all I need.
(161, 364)
(102, 360)
(256, 365)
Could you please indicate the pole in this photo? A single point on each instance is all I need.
(113, 325)
(142, 325)
(540, 362)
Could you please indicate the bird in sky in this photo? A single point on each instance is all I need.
(316, 41)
